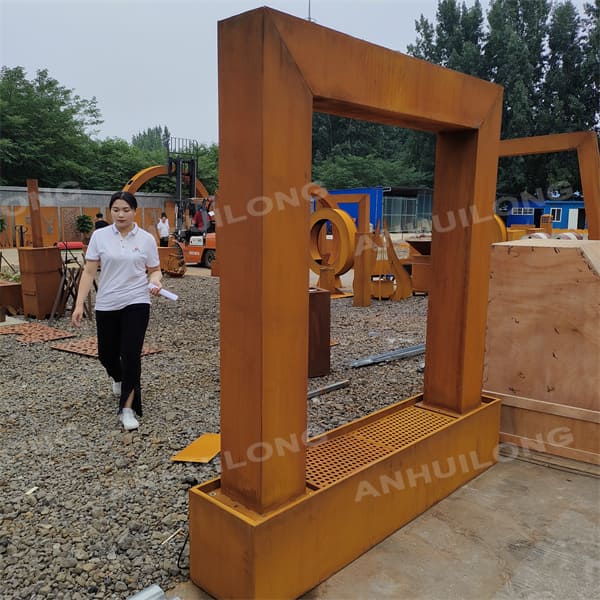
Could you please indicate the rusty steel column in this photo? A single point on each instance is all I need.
(363, 255)
(465, 173)
(35, 217)
(589, 171)
(264, 163)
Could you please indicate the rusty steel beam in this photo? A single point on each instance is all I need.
(356, 79)
(35, 216)
(541, 144)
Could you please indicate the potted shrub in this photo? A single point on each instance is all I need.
(84, 225)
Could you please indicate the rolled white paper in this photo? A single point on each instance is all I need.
(165, 293)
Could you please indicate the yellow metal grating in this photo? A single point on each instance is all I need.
(340, 456)
(331, 460)
(403, 427)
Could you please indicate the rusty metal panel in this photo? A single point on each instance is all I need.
(319, 326)
(7, 236)
(50, 225)
(68, 214)
(89, 347)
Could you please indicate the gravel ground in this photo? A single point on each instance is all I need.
(86, 511)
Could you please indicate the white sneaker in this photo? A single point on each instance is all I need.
(116, 388)
(128, 420)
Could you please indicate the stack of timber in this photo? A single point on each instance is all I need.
(543, 345)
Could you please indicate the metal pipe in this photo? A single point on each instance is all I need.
(392, 355)
(328, 388)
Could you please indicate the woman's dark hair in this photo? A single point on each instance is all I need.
(129, 198)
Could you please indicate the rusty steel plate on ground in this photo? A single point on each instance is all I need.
(89, 347)
(35, 332)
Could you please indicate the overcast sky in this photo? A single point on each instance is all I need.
(155, 63)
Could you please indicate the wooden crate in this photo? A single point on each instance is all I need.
(40, 279)
(543, 344)
(10, 295)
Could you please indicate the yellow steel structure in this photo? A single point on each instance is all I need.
(285, 513)
(588, 156)
(140, 178)
(344, 233)
(363, 261)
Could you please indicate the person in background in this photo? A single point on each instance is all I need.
(200, 220)
(100, 222)
(130, 265)
(163, 230)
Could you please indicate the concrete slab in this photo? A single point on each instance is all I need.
(10, 320)
(520, 530)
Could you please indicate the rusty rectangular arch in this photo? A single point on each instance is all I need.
(270, 515)
(586, 145)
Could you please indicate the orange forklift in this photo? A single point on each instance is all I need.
(198, 243)
(195, 237)
(193, 240)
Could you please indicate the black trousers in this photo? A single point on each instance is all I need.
(164, 242)
(120, 341)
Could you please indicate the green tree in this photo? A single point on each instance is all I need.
(44, 130)
(114, 163)
(354, 153)
(564, 97)
(590, 70)
(340, 136)
(456, 40)
(514, 55)
(546, 58)
(208, 167)
(365, 171)
(153, 139)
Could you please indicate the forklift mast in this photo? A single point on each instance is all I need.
(183, 164)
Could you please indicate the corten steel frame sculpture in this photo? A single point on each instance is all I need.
(285, 515)
(586, 144)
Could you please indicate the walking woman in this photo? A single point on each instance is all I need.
(128, 258)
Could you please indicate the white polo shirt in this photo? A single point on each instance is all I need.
(163, 228)
(123, 261)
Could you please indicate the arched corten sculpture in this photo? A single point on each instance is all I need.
(285, 515)
(588, 157)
